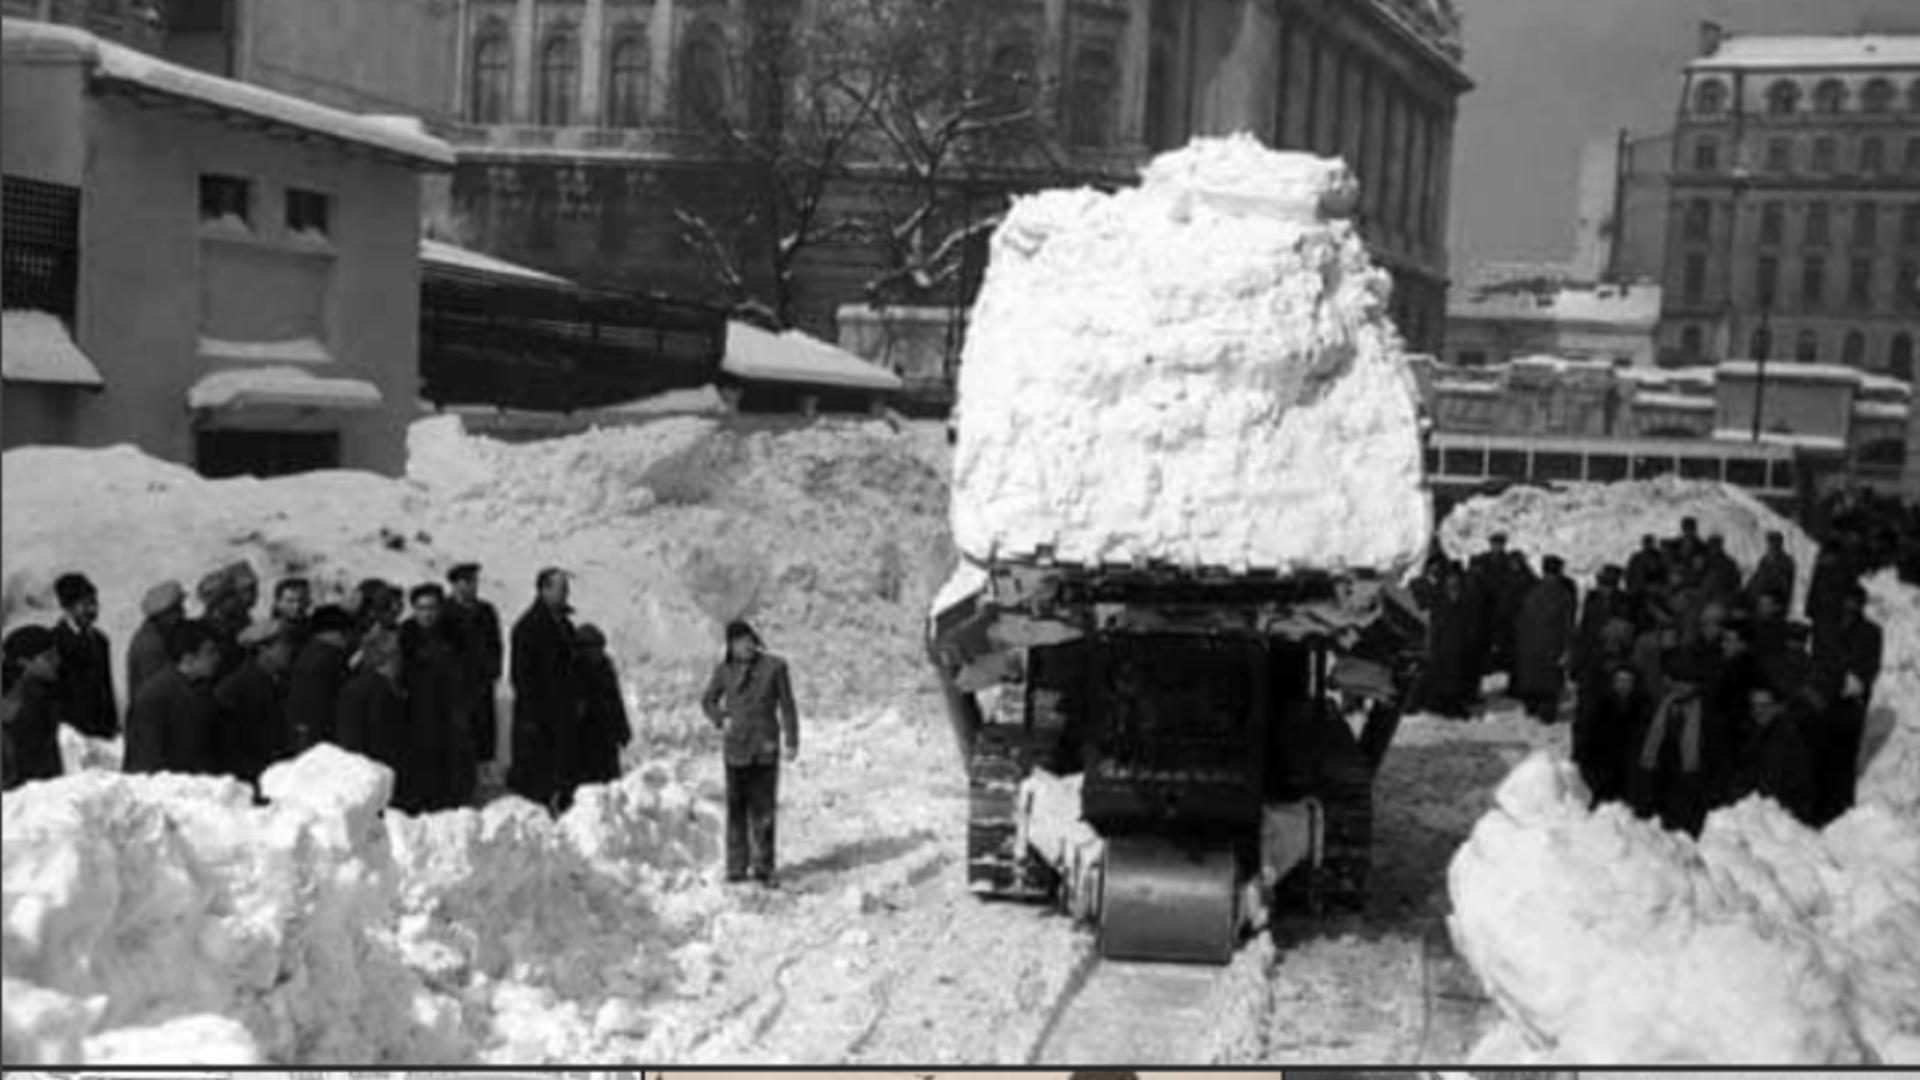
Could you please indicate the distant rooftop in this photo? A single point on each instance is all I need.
(1786, 51)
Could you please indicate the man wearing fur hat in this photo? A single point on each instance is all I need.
(151, 649)
(86, 670)
(750, 698)
(253, 702)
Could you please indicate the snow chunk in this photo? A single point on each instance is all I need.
(1193, 379)
(1246, 174)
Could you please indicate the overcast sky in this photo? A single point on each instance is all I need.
(1551, 74)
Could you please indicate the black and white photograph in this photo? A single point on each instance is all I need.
(1026, 534)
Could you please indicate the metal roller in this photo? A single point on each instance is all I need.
(1168, 901)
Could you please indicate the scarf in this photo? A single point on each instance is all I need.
(1689, 710)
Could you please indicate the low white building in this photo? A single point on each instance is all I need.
(1498, 324)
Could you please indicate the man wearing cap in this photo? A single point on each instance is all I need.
(151, 649)
(173, 724)
(86, 670)
(1847, 654)
(30, 683)
(546, 694)
(439, 767)
(476, 625)
(319, 671)
(1544, 633)
(370, 718)
(227, 599)
(253, 713)
(750, 698)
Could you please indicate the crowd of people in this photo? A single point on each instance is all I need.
(1691, 685)
(405, 678)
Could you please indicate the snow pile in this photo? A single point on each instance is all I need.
(1892, 776)
(1591, 525)
(172, 908)
(1198, 371)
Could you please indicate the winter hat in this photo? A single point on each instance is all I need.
(227, 581)
(466, 571)
(162, 597)
(331, 619)
(738, 629)
(71, 589)
(589, 636)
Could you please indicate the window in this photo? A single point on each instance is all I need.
(1090, 103)
(1766, 280)
(1830, 96)
(559, 79)
(1907, 286)
(1823, 154)
(1873, 156)
(221, 454)
(1761, 345)
(1866, 223)
(1910, 164)
(1606, 468)
(1700, 468)
(42, 252)
(309, 212)
(1780, 155)
(703, 76)
(1853, 351)
(1900, 357)
(1706, 156)
(491, 74)
(1690, 342)
(1813, 282)
(1507, 464)
(1746, 472)
(1773, 218)
(1013, 77)
(1819, 220)
(1910, 224)
(1860, 283)
(1471, 358)
(1877, 97)
(226, 198)
(1710, 97)
(1548, 465)
(627, 80)
(1783, 97)
(1806, 348)
(1913, 96)
(1699, 220)
(1695, 287)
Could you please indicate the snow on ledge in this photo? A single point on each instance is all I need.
(39, 350)
(794, 357)
(295, 351)
(444, 254)
(239, 387)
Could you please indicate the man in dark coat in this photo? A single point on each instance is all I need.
(29, 697)
(292, 608)
(1646, 577)
(227, 598)
(1544, 633)
(1689, 545)
(1775, 573)
(1448, 683)
(1603, 604)
(1732, 680)
(1775, 760)
(546, 693)
(1610, 725)
(1846, 662)
(1722, 577)
(253, 703)
(319, 670)
(150, 651)
(86, 667)
(173, 724)
(439, 771)
(594, 757)
(1678, 766)
(1826, 592)
(477, 627)
(370, 716)
(1508, 582)
(750, 698)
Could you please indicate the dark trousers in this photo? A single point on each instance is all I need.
(1837, 758)
(486, 727)
(752, 794)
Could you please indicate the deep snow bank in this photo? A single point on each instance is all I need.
(1200, 371)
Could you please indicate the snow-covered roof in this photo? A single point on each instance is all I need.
(1635, 306)
(1885, 384)
(1880, 410)
(238, 388)
(1787, 51)
(1673, 401)
(794, 357)
(445, 254)
(38, 349)
(1832, 443)
(1799, 372)
(26, 39)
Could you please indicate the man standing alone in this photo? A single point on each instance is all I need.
(546, 696)
(86, 673)
(750, 698)
(476, 626)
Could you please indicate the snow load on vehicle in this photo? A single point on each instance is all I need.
(1199, 372)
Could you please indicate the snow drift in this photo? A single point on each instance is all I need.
(1199, 371)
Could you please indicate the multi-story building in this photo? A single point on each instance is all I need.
(1621, 231)
(1794, 220)
(1610, 323)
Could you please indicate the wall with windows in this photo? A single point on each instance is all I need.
(372, 56)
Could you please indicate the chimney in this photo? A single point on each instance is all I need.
(1711, 35)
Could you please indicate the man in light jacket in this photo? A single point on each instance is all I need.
(750, 698)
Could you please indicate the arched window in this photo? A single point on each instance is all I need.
(492, 75)
(703, 76)
(1806, 348)
(627, 79)
(1762, 345)
(559, 79)
(1877, 96)
(1090, 104)
(1830, 96)
(1783, 97)
(1873, 156)
(1853, 350)
(1900, 357)
(1690, 342)
(1710, 97)
(1012, 76)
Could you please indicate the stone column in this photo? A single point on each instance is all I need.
(1050, 64)
(462, 61)
(1134, 63)
(661, 39)
(593, 52)
(521, 111)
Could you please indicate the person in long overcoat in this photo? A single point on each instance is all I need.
(1721, 579)
(150, 650)
(253, 703)
(1610, 725)
(370, 715)
(85, 697)
(319, 671)
(440, 768)
(1679, 766)
(29, 690)
(1847, 655)
(546, 692)
(477, 626)
(173, 724)
(593, 757)
(1543, 634)
(1646, 571)
(750, 699)
(1508, 581)
(1775, 759)
(1831, 577)
(1452, 667)
(1775, 573)
(1603, 603)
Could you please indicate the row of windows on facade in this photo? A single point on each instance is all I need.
(1785, 97)
(1823, 158)
(1806, 348)
(1862, 276)
(1697, 223)
(702, 90)
(231, 198)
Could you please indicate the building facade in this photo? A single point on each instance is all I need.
(240, 268)
(1794, 218)
(1612, 324)
(1621, 231)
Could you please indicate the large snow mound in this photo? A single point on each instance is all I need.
(1605, 939)
(1199, 371)
(1591, 525)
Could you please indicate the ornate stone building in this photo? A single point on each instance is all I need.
(580, 151)
(1794, 222)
